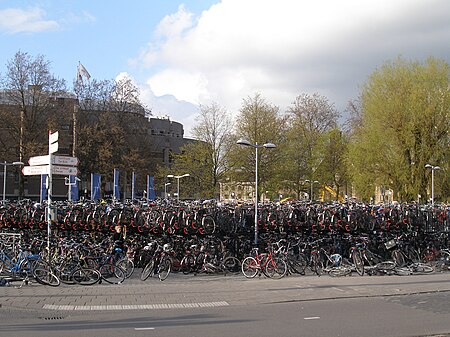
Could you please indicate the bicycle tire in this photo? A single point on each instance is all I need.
(164, 268)
(111, 273)
(85, 276)
(296, 266)
(127, 265)
(385, 266)
(340, 271)
(147, 270)
(187, 264)
(231, 265)
(358, 262)
(46, 277)
(398, 258)
(421, 268)
(316, 264)
(276, 268)
(250, 267)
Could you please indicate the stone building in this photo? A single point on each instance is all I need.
(64, 113)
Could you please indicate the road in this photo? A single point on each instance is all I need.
(294, 306)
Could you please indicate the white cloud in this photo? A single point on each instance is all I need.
(16, 20)
(286, 47)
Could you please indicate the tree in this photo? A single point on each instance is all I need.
(259, 122)
(405, 123)
(312, 118)
(206, 159)
(32, 94)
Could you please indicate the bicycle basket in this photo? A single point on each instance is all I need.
(390, 244)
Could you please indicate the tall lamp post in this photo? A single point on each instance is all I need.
(312, 186)
(245, 142)
(433, 168)
(178, 182)
(5, 164)
(165, 190)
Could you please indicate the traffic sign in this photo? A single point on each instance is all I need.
(64, 160)
(39, 160)
(35, 170)
(64, 170)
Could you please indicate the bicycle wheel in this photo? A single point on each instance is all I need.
(398, 258)
(231, 265)
(127, 265)
(148, 270)
(46, 277)
(340, 271)
(276, 268)
(250, 267)
(164, 268)
(317, 264)
(421, 268)
(385, 266)
(187, 264)
(85, 276)
(358, 262)
(111, 273)
(296, 266)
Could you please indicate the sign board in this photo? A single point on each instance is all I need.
(35, 170)
(63, 160)
(58, 160)
(39, 160)
(64, 170)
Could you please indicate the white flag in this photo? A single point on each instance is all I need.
(82, 72)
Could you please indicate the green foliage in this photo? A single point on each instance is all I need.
(405, 123)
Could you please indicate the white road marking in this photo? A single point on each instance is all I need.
(143, 329)
(309, 318)
(160, 306)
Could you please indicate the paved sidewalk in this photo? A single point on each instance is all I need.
(181, 291)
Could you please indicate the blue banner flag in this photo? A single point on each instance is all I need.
(151, 188)
(43, 193)
(133, 185)
(116, 191)
(95, 186)
(73, 188)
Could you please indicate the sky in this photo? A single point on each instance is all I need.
(183, 54)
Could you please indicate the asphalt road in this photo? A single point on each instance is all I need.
(215, 306)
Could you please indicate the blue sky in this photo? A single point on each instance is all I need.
(185, 53)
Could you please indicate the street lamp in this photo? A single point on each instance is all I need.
(245, 142)
(312, 186)
(433, 168)
(178, 182)
(16, 163)
(165, 190)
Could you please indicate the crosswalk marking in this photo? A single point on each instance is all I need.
(159, 306)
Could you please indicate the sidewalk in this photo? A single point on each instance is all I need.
(188, 291)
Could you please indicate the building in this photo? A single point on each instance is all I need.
(156, 138)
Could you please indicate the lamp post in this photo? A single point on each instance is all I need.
(165, 190)
(245, 142)
(178, 182)
(312, 186)
(16, 163)
(433, 168)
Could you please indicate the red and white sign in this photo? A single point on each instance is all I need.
(35, 170)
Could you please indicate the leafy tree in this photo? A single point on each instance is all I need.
(206, 158)
(404, 126)
(312, 118)
(259, 122)
(33, 108)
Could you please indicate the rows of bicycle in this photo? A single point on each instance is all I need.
(90, 258)
(169, 218)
